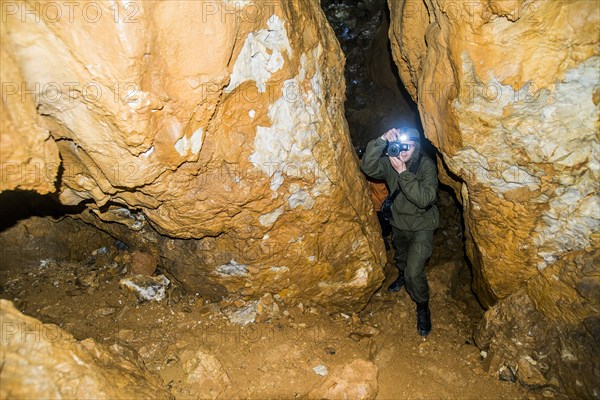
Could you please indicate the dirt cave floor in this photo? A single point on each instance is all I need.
(288, 354)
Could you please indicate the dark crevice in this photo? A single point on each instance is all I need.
(376, 99)
(17, 205)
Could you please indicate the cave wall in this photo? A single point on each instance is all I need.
(508, 91)
(211, 133)
(29, 157)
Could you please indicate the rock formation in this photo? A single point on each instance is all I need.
(209, 134)
(357, 380)
(65, 368)
(508, 91)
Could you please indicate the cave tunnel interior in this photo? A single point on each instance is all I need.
(376, 99)
(106, 284)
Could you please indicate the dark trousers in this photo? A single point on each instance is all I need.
(412, 251)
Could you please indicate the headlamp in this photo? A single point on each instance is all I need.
(409, 134)
(396, 147)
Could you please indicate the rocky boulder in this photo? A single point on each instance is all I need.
(66, 368)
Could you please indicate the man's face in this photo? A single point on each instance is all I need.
(404, 156)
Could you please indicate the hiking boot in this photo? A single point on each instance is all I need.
(398, 283)
(423, 318)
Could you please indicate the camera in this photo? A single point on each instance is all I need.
(394, 148)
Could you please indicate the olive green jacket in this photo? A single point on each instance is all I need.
(413, 208)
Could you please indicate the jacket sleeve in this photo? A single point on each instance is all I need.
(372, 163)
(420, 189)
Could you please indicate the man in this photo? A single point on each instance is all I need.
(414, 215)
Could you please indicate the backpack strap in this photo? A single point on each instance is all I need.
(395, 194)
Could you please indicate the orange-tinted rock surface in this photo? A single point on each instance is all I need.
(28, 155)
(218, 125)
(43, 361)
(509, 91)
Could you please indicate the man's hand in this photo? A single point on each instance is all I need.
(398, 164)
(391, 135)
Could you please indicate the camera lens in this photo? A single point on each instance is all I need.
(393, 149)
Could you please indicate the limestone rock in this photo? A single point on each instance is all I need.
(206, 377)
(362, 332)
(64, 367)
(243, 315)
(357, 380)
(267, 308)
(321, 370)
(506, 374)
(29, 156)
(514, 334)
(494, 100)
(146, 288)
(214, 133)
(508, 91)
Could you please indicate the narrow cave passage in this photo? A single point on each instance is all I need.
(198, 225)
(376, 99)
